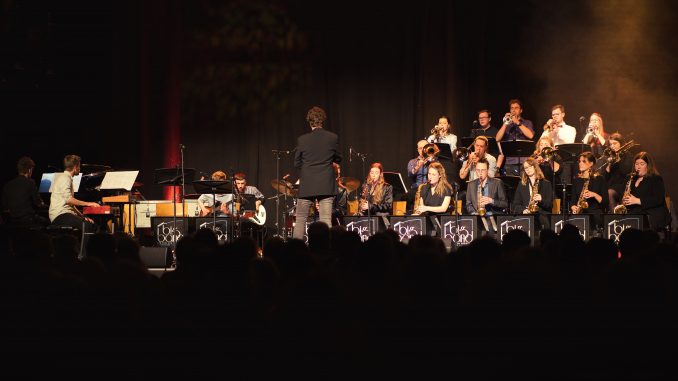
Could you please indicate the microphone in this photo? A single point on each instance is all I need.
(350, 154)
(582, 119)
(475, 123)
(287, 176)
(181, 146)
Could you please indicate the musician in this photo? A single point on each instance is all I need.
(548, 165)
(417, 168)
(493, 196)
(62, 211)
(647, 192)
(556, 128)
(241, 188)
(20, 198)
(596, 193)
(515, 128)
(467, 170)
(441, 133)
(619, 165)
(435, 195)
(206, 201)
(485, 129)
(315, 154)
(524, 192)
(596, 136)
(376, 194)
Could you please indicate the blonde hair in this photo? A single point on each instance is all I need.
(442, 183)
(537, 171)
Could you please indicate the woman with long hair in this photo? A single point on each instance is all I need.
(549, 166)
(647, 192)
(596, 136)
(376, 194)
(589, 190)
(526, 198)
(435, 195)
(617, 169)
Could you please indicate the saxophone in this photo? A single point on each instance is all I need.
(481, 209)
(582, 203)
(363, 197)
(621, 208)
(417, 200)
(532, 207)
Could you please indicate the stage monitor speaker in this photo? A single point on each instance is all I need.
(154, 257)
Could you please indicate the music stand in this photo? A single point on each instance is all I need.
(396, 181)
(120, 180)
(569, 152)
(213, 187)
(511, 183)
(173, 177)
(516, 148)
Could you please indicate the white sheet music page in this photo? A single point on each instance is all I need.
(119, 180)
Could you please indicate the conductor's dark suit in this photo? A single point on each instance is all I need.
(316, 151)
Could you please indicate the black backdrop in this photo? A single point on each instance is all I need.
(122, 83)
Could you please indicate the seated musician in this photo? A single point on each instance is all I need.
(527, 199)
(435, 195)
(485, 192)
(242, 189)
(20, 198)
(548, 164)
(206, 201)
(480, 145)
(62, 211)
(589, 191)
(616, 171)
(646, 192)
(376, 195)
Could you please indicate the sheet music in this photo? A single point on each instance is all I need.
(47, 182)
(119, 180)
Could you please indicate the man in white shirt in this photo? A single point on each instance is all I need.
(62, 211)
(556, 128)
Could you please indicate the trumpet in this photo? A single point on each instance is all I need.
(438, 131)
(591, 129)
(507, 118)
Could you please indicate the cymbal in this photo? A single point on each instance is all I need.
(350, 183)
(284, 187)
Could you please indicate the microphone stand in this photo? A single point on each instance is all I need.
(362, 157)
(276, 154)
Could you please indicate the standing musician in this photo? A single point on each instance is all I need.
(589, 190)
(376, 194)
(62, 211)
(647, 193)
(556, 128)
(480, 152)
(206, 201)
(441, 133)
(527, 199)
(435, 195)
(485, 192)
(619, 165)
(548, 164)
(514, 128)
(596, 136)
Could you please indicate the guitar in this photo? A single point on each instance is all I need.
(258, 218)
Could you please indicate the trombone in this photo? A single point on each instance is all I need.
(462, 153)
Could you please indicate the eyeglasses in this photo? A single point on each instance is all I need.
(483, 117)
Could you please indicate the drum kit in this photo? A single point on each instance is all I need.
(287, 190)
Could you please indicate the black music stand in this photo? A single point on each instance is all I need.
(213, 187)
(445, 153)
(517, 148)
(173, 177)
(510, 184)
(396, 181)
(569, 152)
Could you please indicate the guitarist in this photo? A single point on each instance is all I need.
(206, 201)
(241, 188)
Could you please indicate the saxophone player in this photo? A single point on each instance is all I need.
(435, 195)
(376, 194)
(589, 190)
(647, 192)
(534, 193)
(485, 192)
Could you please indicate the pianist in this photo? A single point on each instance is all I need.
(62, 211)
